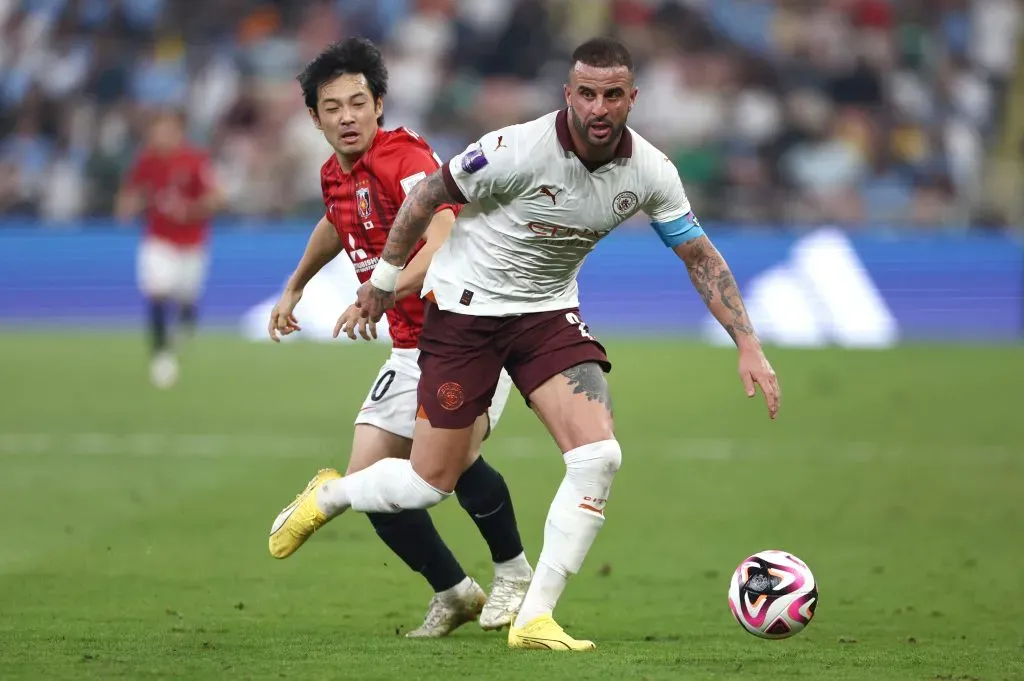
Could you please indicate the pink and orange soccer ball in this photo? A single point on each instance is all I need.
(773, 594)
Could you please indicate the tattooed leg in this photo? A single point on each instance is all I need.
(588, 379)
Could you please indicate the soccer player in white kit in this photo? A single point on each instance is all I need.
(538, 197)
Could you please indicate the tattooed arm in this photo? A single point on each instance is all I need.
(485, 168)
(714, 282)
(414, 217)
(375, 298)
(717, 287)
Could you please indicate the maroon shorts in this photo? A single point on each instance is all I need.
(461, 357)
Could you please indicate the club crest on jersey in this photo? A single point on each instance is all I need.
(474, 160)
(625, 204)
(363, 202)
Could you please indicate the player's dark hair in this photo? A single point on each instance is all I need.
(603, 53)
(352, 56)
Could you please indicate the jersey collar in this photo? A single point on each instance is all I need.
(623, 150)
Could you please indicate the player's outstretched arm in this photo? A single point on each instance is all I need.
(129, 203)
(323, 246)
(714, 282)
(716, 285)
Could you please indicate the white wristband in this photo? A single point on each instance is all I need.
(385, 276)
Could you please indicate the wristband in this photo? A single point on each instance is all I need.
(385, 276)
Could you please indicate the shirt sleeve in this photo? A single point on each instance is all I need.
(487, 167)
(328, 204)
(669, 209)
(413, 165)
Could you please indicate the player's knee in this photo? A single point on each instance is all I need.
(439, 456)
(422, 494)
(598, 462)
(443, 478)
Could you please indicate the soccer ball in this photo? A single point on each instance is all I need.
(773, 594)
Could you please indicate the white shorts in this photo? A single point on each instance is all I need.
(166, 270)
(391, 404)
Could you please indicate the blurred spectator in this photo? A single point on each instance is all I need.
(775, 111)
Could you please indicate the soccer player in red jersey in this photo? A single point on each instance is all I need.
(172, 182)
(364, 183)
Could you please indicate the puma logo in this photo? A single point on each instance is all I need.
(500, 145)
(546, 191)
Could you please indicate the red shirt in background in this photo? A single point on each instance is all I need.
(362, 205)
(181, 177)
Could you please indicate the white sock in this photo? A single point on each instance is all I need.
(388, 486)
(574, 519)
(456, 592)
(516, 568)
(545, 590)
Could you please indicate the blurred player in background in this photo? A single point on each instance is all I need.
(364, 183)
(173, 183)
(539, 196)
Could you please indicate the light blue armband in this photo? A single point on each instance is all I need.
(679, 231)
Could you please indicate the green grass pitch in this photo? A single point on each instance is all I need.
(135, 522)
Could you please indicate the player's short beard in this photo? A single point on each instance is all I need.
(581, 128)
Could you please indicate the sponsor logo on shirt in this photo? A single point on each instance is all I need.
(365, 265)
(551, 193)
(558, 232)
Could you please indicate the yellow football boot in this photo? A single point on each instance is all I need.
(299, 519)
(543, 633)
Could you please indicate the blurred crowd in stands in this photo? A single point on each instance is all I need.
(860, 112)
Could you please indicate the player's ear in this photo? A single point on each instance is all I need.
(567, 91)
(378, 107)
(316, 118)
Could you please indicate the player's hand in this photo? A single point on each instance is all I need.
(352, 320)
(756, 370)
(372, 302)
(282, 317)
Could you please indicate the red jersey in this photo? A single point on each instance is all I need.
(183, 174)
(362, 205)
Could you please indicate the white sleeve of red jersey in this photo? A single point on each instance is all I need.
(487, 167)
(413, 162)
(416, 161)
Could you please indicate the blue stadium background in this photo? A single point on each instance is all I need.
(945, 287)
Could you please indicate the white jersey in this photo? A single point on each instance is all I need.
(534, 212)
